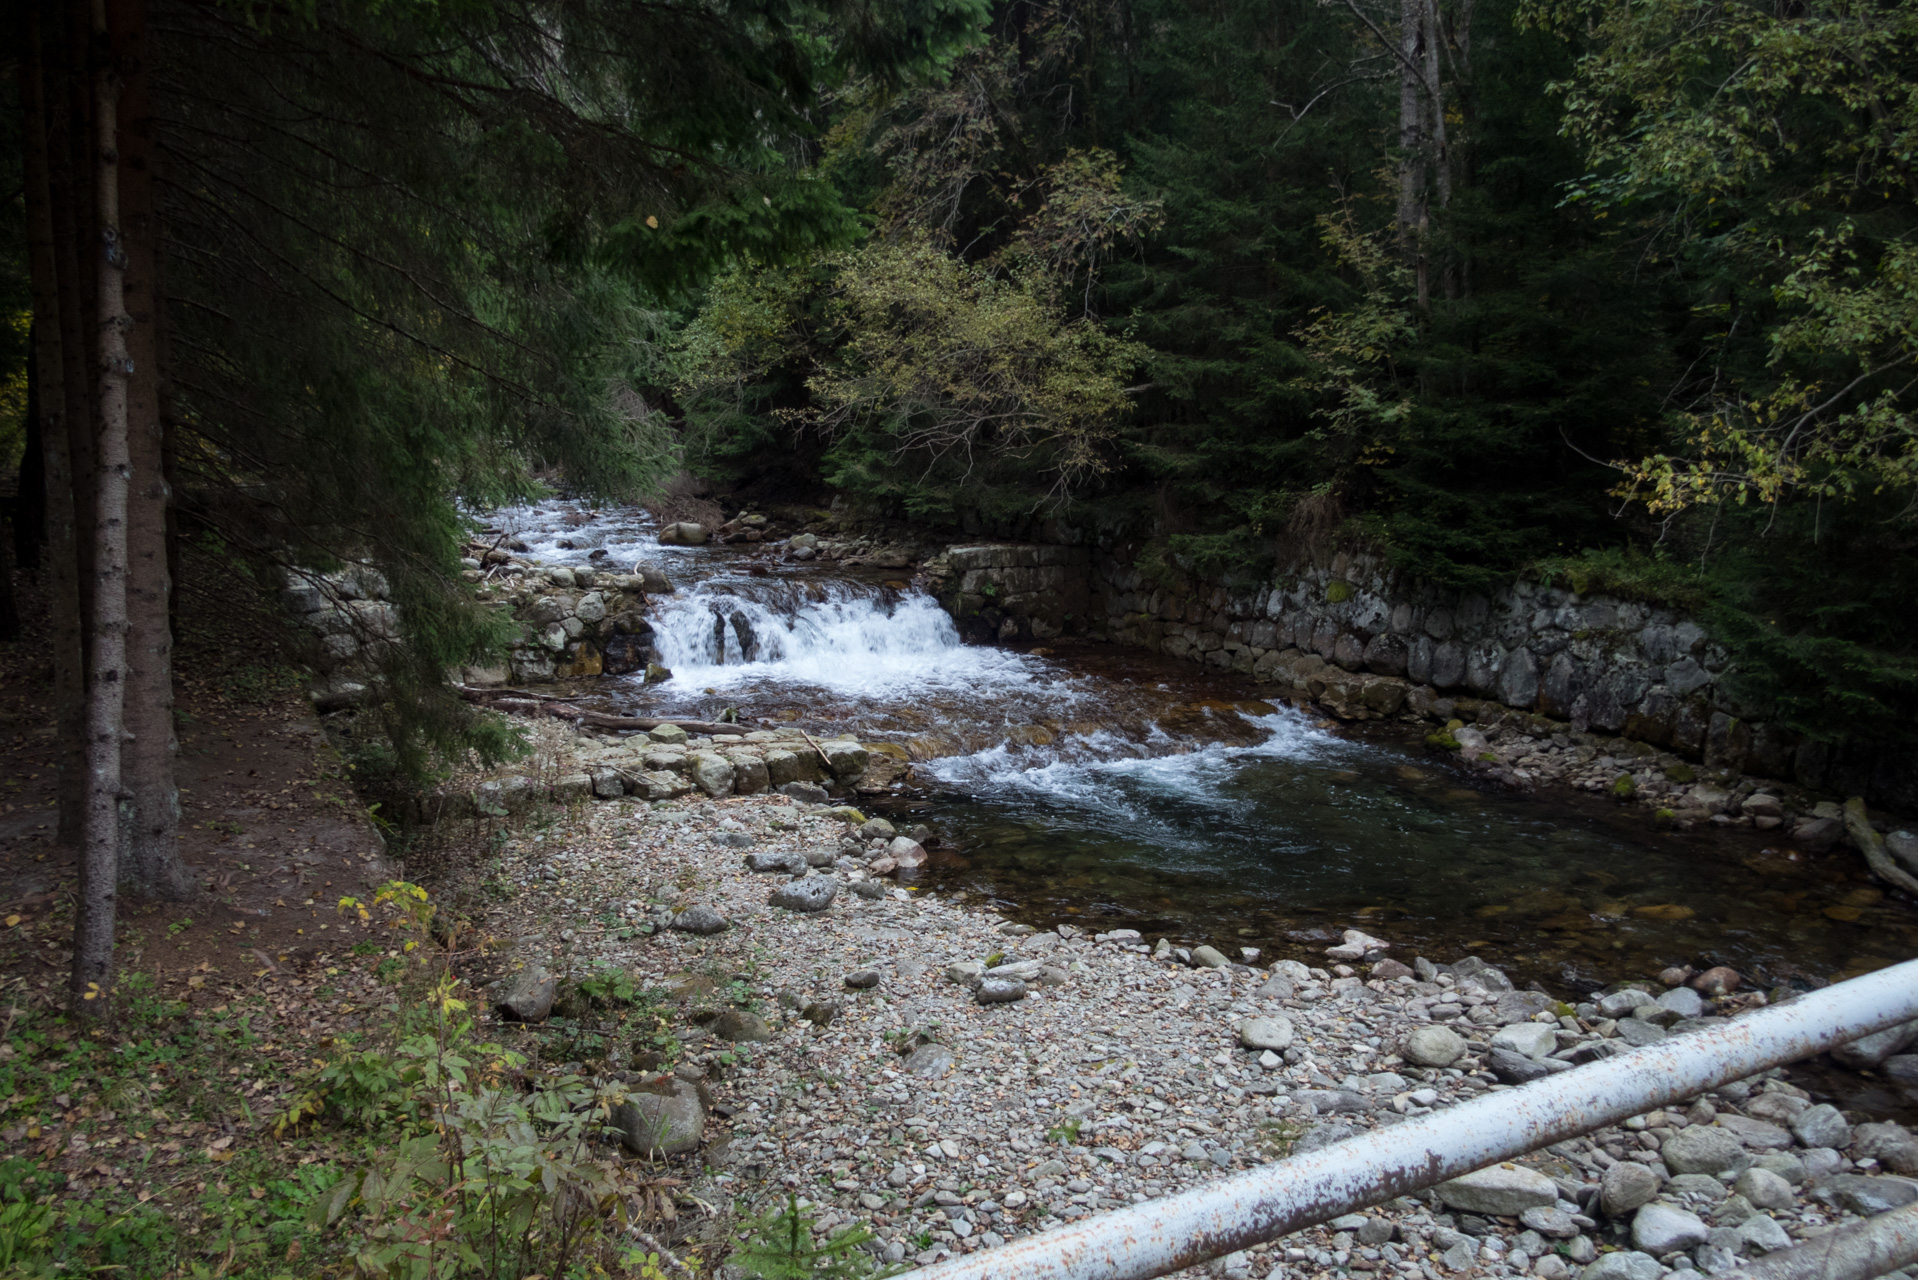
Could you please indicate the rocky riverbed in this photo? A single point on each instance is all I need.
(953, 1080)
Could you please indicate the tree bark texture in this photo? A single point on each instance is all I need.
(152, 864)
(92, 975)
(50, 271)
(1412, 141)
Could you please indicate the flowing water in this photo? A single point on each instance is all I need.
(1125, 790)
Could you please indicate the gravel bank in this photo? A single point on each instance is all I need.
(1110, 1070)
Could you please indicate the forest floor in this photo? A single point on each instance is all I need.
(145, 1143)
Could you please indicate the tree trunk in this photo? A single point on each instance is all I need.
(30, 508)
(1412, 175)
(54, 326)
(152, 863)
(1436, 130)
(92, 976)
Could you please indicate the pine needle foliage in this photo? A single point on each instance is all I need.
(417, 253)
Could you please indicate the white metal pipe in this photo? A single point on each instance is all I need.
(1883, 1242)
(1164, 1235)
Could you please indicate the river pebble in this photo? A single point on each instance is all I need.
(914, 1103)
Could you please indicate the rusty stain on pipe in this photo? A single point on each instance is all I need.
(1881, 1243)
(1274, 1200)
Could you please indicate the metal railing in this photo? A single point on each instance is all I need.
(1274, 1200)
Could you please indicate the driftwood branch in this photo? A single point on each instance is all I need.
(515, 702)
(1858, 826)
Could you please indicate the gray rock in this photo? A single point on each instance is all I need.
(1821, 1126)
(527, 996)
(1703, 1149)
(1460, 1256)
(1684, 1002)
(1471, 968)
(1890, 1144)
(662, 1124)
(1433, 1047)
(1784, 1164)
(1759, 1135)
(1764, 1189)
(965, 972)
(1320, 1136)
(1626, 1186)
(1277, 987)
(868, 888)
(1504, 1190)
(1533, 1039)
(819, 857)
(1902, 1067)
(699, 918)
(788, 862)
(862, 979)
(1553, 1223)
(1637, 1032)
(1820, 1162)
(1659, 1229)
(1517, 1068)
(1703, 1186)
(1208, 958)
(805, 792)
(1715, 1259)
(1619, 1004)
(734, 839)
(737, 1025)
(1626, 1264)
(711, 773)
(1868, 1053)
(906, 852)
(1763, 1234)
(1266, 1033)
(930, 1061)
(1519, 1006)
(1866, 1195)
(814, 893)
(1734, 1211)
(877, 829)
(999, 991)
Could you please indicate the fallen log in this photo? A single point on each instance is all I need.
(523, 703)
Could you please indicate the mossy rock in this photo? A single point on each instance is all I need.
(1338, 591)
(1681, 773)
(1454, 725)
(1441, 742)
(1490, 757)
(1624, 788)
(1664, 818)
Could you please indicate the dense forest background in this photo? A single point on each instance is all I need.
(1621, 297)
(1615, 296)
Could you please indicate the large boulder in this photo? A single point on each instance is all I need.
(847, 759)
(698, 918)
(1433, 1047)
(712, 773)
(814, 893)
(527, 996)
(665, 1119)
(1704, 1149)
(1504, 1190)
(1266, 1033)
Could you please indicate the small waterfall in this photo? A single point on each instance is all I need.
(846, 636)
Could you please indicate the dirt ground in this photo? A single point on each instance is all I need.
(270, 827)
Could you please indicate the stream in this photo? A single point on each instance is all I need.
(1120, 789)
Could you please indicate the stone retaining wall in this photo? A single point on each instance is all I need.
(1368, 642)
